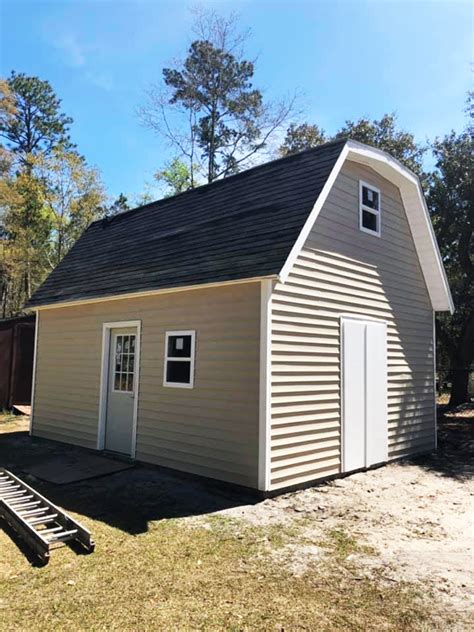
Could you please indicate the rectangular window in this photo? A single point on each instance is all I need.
(124, 365)
(369, 209)
(179, 359)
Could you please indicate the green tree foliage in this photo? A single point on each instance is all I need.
(119, 205)
(31, 121)
(450, 199)
(176, 175)
(208, 107)
(73, 198)
(48, 195)
(24, 243)
(385, 135)
(218, 88)
(301, 137)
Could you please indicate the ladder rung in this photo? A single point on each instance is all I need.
(27, 505)
(42, 520)
(34, 512)
(61, 536)
(44, 531)
(15, 501)
(8, 485)
(13, 494)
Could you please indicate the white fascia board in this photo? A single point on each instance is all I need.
(300, 242)
(145, 293)
(415, 208)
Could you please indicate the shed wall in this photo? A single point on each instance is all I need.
(212, 429)
(343, 270)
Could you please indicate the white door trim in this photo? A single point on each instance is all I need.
(104, 377)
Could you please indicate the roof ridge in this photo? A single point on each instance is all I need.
(221, 181)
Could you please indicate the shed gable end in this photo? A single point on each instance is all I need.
(343, 270)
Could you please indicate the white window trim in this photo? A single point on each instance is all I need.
(376, 212)
(191, 359)
(114, 338)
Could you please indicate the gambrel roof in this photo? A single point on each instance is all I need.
(250, 225)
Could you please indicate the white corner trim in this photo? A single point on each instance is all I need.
(415, 208)
(434, 385)
(264, 435)
(33, 378)
(104, 376)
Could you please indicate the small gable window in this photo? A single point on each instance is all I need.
(369, 209)
(179, 359)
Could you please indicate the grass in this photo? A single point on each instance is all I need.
(179, 578)
(6, 417)
(214, 573)
(343, 544)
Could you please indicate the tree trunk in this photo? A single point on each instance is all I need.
(460, 350)
(460, 386)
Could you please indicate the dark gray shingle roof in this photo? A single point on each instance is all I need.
(241, 227)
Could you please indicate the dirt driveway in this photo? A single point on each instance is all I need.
(370, 551)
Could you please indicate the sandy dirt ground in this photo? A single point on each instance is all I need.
(415, 519)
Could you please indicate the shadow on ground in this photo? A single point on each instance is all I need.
(455, 455)
(126, 500)
(130, 499)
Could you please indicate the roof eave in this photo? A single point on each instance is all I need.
(132, 295)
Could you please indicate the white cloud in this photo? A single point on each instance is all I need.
(73, 52)
(100, 79)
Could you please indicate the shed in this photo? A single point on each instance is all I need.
(271, 329)
(17, 336)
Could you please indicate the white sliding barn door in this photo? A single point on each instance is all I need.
(376, 393)
(353, 380)
(364, 393)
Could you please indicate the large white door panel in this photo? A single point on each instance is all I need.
(353, 395)
(376, 393)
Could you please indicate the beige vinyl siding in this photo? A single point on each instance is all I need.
(211, 429)
(343, 270)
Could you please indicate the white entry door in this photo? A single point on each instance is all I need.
(121, 390)
(364, 393)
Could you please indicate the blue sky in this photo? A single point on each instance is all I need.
(349, 59)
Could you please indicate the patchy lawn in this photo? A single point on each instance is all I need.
(386, 549)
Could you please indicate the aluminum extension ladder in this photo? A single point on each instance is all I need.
(41, 524)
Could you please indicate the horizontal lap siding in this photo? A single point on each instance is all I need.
(342, 270)
(211, 429)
